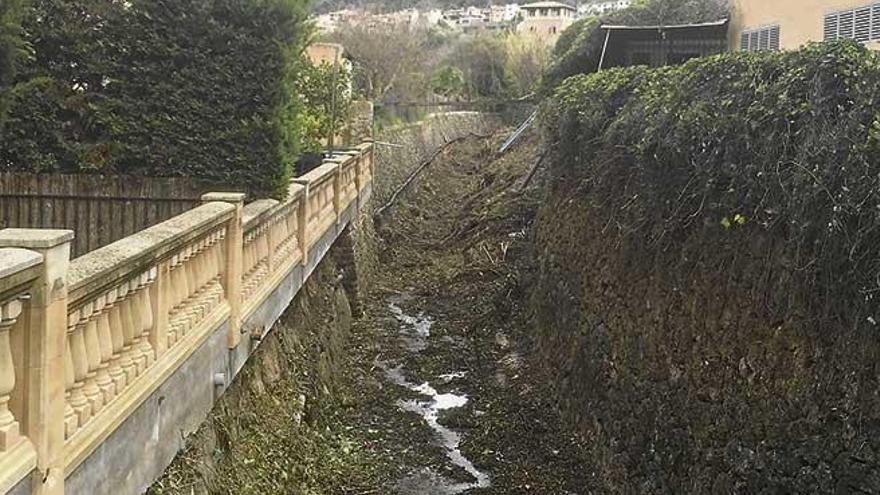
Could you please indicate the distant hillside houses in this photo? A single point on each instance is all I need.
(602, 7)
(542, 20)
(330, 22)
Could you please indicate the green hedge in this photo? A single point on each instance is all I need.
(10, 49)
(688, 164)
(197, 88)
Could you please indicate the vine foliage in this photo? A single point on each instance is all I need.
(708, 165)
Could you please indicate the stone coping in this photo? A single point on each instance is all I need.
(14, 260)
(111, 264)
(226, 197)
(343, 158)
(34, 238)
(18, 267)
(253, 213)
(294, 191)
(319, 175)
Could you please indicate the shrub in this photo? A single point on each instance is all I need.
(200, 88)
(325, 101)
(688, 164)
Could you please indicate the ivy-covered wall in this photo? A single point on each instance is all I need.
(198, 88)
(706, 301)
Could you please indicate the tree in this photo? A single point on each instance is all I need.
(482, 59)
(526, 61)
(325, 100)
(10, 49)
(386, 59)
(448, 82)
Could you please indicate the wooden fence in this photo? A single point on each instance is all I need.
(100, 209)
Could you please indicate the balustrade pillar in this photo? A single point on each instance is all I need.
(46, 337)
(231, 278)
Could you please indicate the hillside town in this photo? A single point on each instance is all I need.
(544, 19)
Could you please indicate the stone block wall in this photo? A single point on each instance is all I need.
(689, 381)
(259, 436)
(356, 257)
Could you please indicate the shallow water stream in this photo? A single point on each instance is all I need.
(415, 333)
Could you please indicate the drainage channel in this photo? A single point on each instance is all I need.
(415, 332)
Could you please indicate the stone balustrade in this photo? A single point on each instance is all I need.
(84, 342)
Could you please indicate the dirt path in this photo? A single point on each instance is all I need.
(446, 402)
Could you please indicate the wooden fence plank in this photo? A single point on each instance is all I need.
(100, 209)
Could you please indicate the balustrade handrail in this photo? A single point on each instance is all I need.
(106, 266)
(256, 212)
(318, 175)
(128, 315)
(18, 267)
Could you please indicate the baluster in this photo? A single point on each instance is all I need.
(194, 271)
(130, 360)
(294, 220)
(271, 243)
(146, 313)
(254, 261)
(283, 236)
(317, 211)
(206, 265)
(120, 362)
(105, 350)
(77, 343)
(249, 254)
(9, 428)
(293, 229)
(217, 268)
(93, 357)
(174, 301)
(212, 255)
(209, 271)
(137, 319)
(185, 292)
(189, 267)
(263, 246)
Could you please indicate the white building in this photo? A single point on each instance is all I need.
(602, 7)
